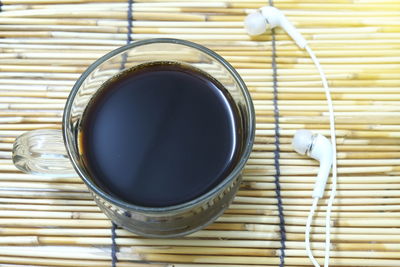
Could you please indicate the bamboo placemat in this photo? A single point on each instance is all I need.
(52, 221)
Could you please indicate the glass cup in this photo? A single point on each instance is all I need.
(56, 152)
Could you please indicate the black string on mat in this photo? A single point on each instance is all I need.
(129, 34)
(114, 247)
(277, 152)
(130, 18)
(1, 5)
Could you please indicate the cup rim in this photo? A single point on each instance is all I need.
(182, 206)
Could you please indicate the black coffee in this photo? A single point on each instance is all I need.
(160, 134)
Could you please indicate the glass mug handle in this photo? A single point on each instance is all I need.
(42, 152)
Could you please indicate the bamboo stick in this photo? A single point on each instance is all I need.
(240, 202)
(346, 162)
(205, 41)
(37, 178)
(32, 106)
(323, 48)
(54, 240)
(64, 41)
(285, 53)
(238, 235)
(370, 179)
(34, 222)
(199, 27)
(197, 243)
(46, 194)
(249, 180)
(256, 252)
(300, 229)
(315, 34)
(299, 214)
(291, 236)
(49, 221)
(115, 23)
(300, 193)
(285, 147)
(258, 244)
(27, 126)
(304, 186)
(247, 197)
(109, 15)
(301, 221)
(348, 254)
(199, 38)
(28, 207)
(34, 114)
(124, 5)
(7, 231)
(55, 119)
(40, 185)
(27, 81)
(53, 214)
(41, 75)
(211, 35)
(68, 262)
(47, 201)
(9, 251)
(25, 68)
(188, 7)
(262, 260)
(134, 252)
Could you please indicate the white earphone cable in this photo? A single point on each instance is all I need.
(308, 230)
(334, 170)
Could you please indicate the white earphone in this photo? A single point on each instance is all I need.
(269, 17)
(318, 147)
(304, 142)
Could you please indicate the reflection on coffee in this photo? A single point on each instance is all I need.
(160, 134)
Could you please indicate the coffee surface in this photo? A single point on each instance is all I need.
(160, 134)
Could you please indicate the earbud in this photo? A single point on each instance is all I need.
(269, 17)
(318, 147)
